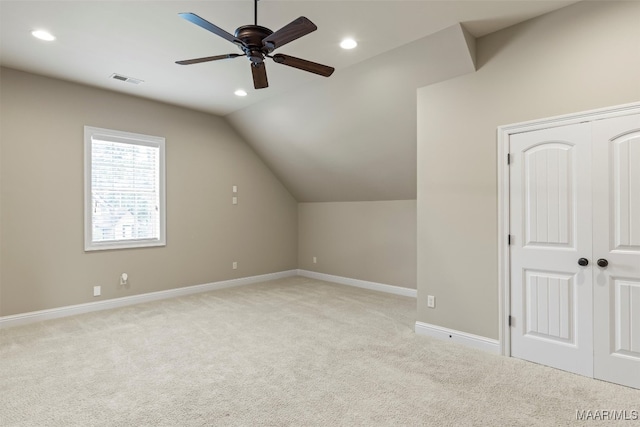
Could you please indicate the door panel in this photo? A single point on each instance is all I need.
(549, 194)
(626, 308)
(625, 171)
(549, 306)
(550, 205)
(616, 180)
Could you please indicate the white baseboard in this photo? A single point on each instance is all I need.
(470, 340)
(397, 290)
(71, 310)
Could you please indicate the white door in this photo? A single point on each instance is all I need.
(616, 239)
(550, 229)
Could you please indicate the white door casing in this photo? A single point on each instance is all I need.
(616, 206)
(550, 205)
(614, 188)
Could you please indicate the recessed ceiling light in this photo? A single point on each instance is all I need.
(43, 35)
(240, 92)
(348, 44)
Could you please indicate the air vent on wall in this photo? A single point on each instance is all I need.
(126, 79)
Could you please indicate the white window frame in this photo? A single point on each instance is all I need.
(128, 138)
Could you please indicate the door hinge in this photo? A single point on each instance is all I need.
(510, 320)
(508, 239)
(508, 158)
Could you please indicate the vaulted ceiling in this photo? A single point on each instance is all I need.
(351, 136)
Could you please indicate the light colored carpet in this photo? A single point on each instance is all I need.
(291, 352)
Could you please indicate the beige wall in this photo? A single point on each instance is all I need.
(41, 195)
(582, 57)
(373, 241)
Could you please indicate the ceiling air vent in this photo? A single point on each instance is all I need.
(126, 79)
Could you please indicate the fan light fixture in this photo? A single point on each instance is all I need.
(240, 92)
(348, 44)
(43, 35)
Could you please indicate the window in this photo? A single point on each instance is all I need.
(124, 190)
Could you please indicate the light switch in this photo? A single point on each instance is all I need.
(431, 301)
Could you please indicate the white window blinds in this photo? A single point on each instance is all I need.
(126, 195)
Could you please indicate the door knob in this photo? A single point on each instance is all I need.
(602, 262)
(583, 262)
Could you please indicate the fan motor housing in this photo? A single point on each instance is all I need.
(251, 37)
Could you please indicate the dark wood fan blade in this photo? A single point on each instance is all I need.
(259, 75)
(203, 23)
(290, 32)
(303, 64)
(208, 58)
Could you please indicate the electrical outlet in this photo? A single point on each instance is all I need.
(124, 279)
(234, 200)
(315, 260)
(431, 301)
(96, 291)
(234, 265)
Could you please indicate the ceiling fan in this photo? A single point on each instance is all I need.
(257, 43)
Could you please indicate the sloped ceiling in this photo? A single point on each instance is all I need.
(353, 137)
(349, 137)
